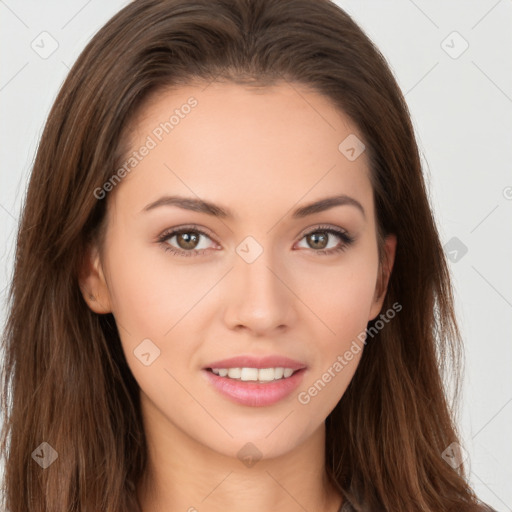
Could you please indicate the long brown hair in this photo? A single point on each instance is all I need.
(66, 381)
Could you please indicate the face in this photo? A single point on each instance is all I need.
(241, 267)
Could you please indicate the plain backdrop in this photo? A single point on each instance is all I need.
(452, 61)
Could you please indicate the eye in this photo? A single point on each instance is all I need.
(185, 241)
(322, 240)
(193, 241)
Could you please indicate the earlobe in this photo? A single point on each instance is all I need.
(385, 269)
(93, 284)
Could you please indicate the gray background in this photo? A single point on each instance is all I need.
(461, 103)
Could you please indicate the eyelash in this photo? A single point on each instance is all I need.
(345, 238)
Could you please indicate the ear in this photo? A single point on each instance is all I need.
(385, 268)
(93, 284)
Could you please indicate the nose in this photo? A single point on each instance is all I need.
(259, 298)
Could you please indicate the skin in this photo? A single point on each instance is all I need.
(261, 152)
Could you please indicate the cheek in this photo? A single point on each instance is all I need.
(152, 303)
(349, 304)
(149, 294)
(342, 294)
(342, 297)
(157, 301)
(343, 302)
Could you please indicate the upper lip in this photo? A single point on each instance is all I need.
(248, 361)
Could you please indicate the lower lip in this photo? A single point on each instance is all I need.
(253, 393)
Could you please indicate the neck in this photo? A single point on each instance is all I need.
(184, 475)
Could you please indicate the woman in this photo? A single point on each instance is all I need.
(295, 361)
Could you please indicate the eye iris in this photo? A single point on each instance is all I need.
(190, 240)
(318, 239)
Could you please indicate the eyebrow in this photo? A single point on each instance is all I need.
(203, 206)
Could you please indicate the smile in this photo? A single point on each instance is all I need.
(249, 387)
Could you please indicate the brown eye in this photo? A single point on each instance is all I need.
(318, 239)
(326, 240)
(187, 240)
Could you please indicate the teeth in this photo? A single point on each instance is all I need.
(248, 373)
(254, 374)
(234, 373)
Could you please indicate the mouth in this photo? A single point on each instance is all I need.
(254, 387)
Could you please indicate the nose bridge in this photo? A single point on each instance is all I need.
(261, 301)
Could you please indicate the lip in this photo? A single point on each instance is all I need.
(252, 393)
(247, 361)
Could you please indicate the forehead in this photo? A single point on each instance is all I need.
(260, 144)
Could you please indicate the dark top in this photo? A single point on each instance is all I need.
(347, 507)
